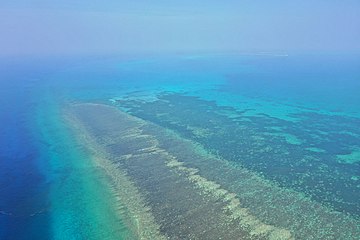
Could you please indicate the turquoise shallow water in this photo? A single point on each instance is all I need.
(292, 120)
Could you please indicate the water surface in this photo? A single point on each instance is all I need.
(256, 146)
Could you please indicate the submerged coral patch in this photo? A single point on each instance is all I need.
(175, 188)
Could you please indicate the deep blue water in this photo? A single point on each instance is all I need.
(23, 188)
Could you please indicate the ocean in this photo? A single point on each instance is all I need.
(232, 146)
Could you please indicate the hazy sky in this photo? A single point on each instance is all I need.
(44, 27)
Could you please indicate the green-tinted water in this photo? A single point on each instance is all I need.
(82, 204)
